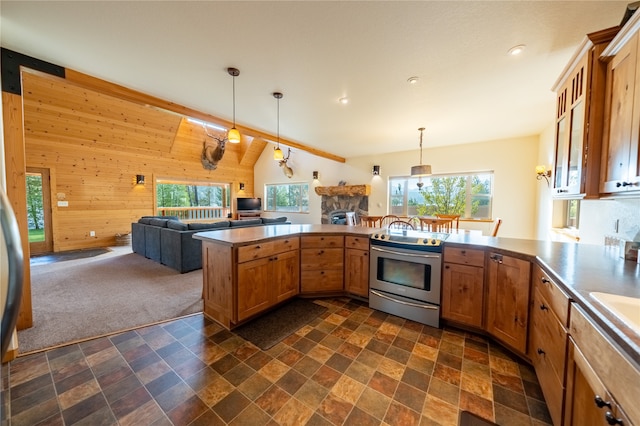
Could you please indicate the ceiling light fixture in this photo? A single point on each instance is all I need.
(344, 100)
(412, 80)
(233, 135)
(421, 169)
(516, 50)
(277, 152)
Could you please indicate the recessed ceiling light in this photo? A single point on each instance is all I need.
(412, 80)
(344, 100)
(516, 50)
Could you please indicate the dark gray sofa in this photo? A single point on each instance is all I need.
(169, 241)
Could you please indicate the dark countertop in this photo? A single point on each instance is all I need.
(578, 268)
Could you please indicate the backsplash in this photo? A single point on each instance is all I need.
(598, 220)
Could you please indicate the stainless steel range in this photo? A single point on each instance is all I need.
(405, 274)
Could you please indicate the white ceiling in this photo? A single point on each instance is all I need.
(316, 52)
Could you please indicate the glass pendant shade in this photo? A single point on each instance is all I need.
(233, 135)
(421, 170)
(277, 154)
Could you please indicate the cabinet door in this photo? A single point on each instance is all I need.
(356, 278)
(285, 276)
(462, 294)
(620, 135)
(508, 303)
(253, 287)
(588, 403)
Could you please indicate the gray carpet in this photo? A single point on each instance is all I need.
(119, 290)
(269, 329)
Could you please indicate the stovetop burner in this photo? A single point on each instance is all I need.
(416, 240)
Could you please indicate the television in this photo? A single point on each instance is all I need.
(249, 204)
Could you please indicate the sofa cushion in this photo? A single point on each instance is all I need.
(177, 225)
(161, 223)
(247, 222)
(281, 219)
(147, 219)
(214, 225)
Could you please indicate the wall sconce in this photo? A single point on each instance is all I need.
(139, 179)
(542, 172)
(315, 175)
(376, 170)
(241, 186)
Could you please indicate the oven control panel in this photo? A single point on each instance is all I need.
(408, 240)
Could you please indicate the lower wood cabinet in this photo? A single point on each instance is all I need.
(322, 264)
(356, 265)
(507, 305)
(463, 286)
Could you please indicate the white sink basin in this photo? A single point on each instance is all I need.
(627, 309)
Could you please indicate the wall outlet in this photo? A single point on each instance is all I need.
(92, 233)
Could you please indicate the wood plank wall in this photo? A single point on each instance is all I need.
(94, 144)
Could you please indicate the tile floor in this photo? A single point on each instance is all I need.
(352, 366)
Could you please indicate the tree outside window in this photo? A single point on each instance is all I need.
(292, 197)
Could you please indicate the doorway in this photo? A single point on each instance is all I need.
(39, 210)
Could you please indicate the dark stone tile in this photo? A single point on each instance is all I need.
(272, 400)
(318, 420)
(170, 349)
(231, 405)
(225, 363)
(476, 405)
(383, 384)
(208, 418)
(449, 360)
(476, 356)
(307, 366)
(398, 355)
(238, 374)
(91, 347)
(410, 396)
(36, 397)
(507, 416)
(178, 329)
(480, 346)
(416, 379)
(533, 390)
(121, 388)
(316, 335)
(162, 383)
(538, 410)
(512, 383)
(245, 352)
(361, 418)
(378, 346)
(304, 345)
(510, 399)
(73, 381)
(187, 411)
(259, 360)
(289, 356)
(114, 376)
(189, 367)
(326, 376)
(36, 413)
(64, 351)
(402, 343)
(30, 386)
(452, 348)
(291, 381)
(398, 414)
(144, 361)
(85, 408)
(136, 352)
(221, 336)
(350, 324)
(121, 338)
(334, 409)
(447, 374)
(445, 391)
(349, 350)
(174, 396)
(338, 362)
(201, 379)
(129, 402)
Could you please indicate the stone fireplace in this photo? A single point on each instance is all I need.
(337, 200)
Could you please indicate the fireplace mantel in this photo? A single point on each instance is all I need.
(349, 190)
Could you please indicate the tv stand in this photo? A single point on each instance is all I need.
(249, 214)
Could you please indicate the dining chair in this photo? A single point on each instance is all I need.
(400, 224)
(496, 226)
(454, 218)
(386, 220)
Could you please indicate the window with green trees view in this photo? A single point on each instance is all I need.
(468, 195)
(291, 197)
(193, 200)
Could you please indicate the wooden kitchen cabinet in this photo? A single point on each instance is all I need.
(620, 169)
(548, 338)
(507, 307)
(356, 265)
(322, 264)
(579, 119)
(463, 286)
(602, 384)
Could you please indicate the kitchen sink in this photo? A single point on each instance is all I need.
(627, 309)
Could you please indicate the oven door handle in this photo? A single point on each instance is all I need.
(415, 305)
(426, 256)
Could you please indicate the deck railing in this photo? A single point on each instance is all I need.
(195, 214)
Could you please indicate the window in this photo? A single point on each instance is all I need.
(573, 213)
(193, 200)
(469, 195)
(287, 197)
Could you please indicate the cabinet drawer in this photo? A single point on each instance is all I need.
(255, 251)
(361, 243)
(555, 297)
(549, 342)
(286, 244)
(470, 257)
(551, 387)
(322, 258)
(321, 280)
(322, 241)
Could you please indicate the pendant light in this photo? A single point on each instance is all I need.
(233, 135)
(277, 152)
(421, 169)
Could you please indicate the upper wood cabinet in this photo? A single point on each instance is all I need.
(579, 119)
(620, 169)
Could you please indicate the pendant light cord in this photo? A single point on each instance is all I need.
(234, 100)
(278, 124)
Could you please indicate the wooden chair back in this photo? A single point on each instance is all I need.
(400, 224)
(455, 218)
(386, 220)
(496, 226)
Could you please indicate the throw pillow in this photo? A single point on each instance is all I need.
(281, 219)
(214, 225)
(177, 225)
(248, 222)
(162, 223)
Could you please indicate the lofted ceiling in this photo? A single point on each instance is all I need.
(316, 52)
